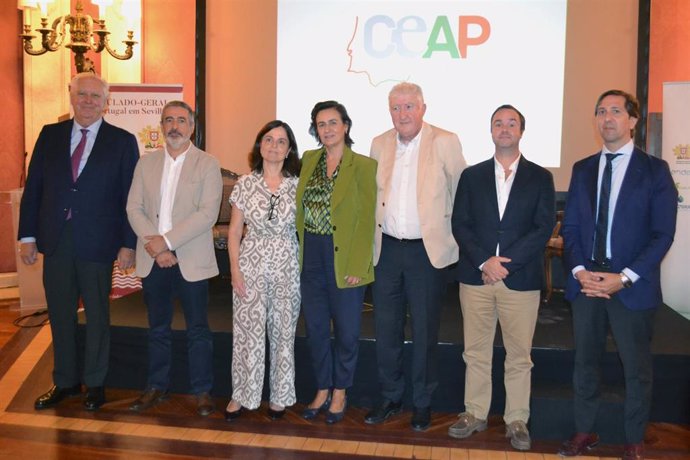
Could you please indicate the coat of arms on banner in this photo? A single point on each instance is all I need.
(137, 107)
(151, 138)
(682, 152)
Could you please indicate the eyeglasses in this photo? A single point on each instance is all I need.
(272, 205)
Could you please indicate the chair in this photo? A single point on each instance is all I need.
(554, 248)
(220, 230)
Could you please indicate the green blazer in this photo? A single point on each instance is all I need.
(353, 205)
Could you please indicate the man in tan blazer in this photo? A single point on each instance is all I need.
(419, 166)
(172, 206)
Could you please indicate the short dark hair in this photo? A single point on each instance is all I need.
(324, 105)
(291, 165)
(520, 115)
(631, 104)
(184, 105)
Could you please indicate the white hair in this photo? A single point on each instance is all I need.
(74, 83)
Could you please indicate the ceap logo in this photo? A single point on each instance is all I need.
(384, 36)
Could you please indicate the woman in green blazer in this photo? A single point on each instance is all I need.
(336, 200)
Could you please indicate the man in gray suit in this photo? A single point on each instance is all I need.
(172, 206)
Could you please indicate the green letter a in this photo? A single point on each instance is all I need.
(441, 26)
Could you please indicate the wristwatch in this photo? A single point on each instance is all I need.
(627, 282)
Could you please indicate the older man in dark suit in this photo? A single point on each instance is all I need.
(620, 220)
(503, 216)
(73, 212)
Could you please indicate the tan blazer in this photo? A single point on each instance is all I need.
(440, 165)
(195, 211)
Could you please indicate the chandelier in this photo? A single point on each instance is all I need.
(81, 29)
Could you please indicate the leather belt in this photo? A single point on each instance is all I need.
(401, 240)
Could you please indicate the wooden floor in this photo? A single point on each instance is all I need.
(173, 430)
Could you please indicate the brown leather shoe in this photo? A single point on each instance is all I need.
(519, 435)
(55, 395)
(466, 425)
(634, 451)
(578, 444)
(204, 404)
(148, 399)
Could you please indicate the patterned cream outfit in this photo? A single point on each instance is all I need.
(269, 262)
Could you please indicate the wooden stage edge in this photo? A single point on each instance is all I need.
(173, 430)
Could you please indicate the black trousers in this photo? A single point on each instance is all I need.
(66, 279)
(405, 277)
(632, 331)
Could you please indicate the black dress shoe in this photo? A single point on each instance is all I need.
(230, 416)
(148, 399)
(310, 414)
(95, 397)
(380, 413)
(421, 418)
(334, 417)
(55, 395)
(204, 404)
(275, 414)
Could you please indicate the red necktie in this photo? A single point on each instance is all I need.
(78, 153)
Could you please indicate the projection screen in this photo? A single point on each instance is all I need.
(469, 57)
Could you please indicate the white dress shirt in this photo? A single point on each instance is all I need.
(503, 184)
(503, 187)
(169, 179)
(401, 219)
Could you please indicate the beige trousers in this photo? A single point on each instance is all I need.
(516, 311)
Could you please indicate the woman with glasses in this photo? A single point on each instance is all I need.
(336, 198)
(265, 273)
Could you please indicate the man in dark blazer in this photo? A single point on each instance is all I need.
(73, 212)
(614, 246)
(502, 218)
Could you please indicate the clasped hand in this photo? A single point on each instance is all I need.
(156, 244)
(157, 248)
(493, 270)
(352, 280)
(166, 259)
(599, 284)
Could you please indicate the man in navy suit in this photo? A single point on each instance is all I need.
(73, 212)
(620, 219)
(503, 216)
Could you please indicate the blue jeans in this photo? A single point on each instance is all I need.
(161, 287)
